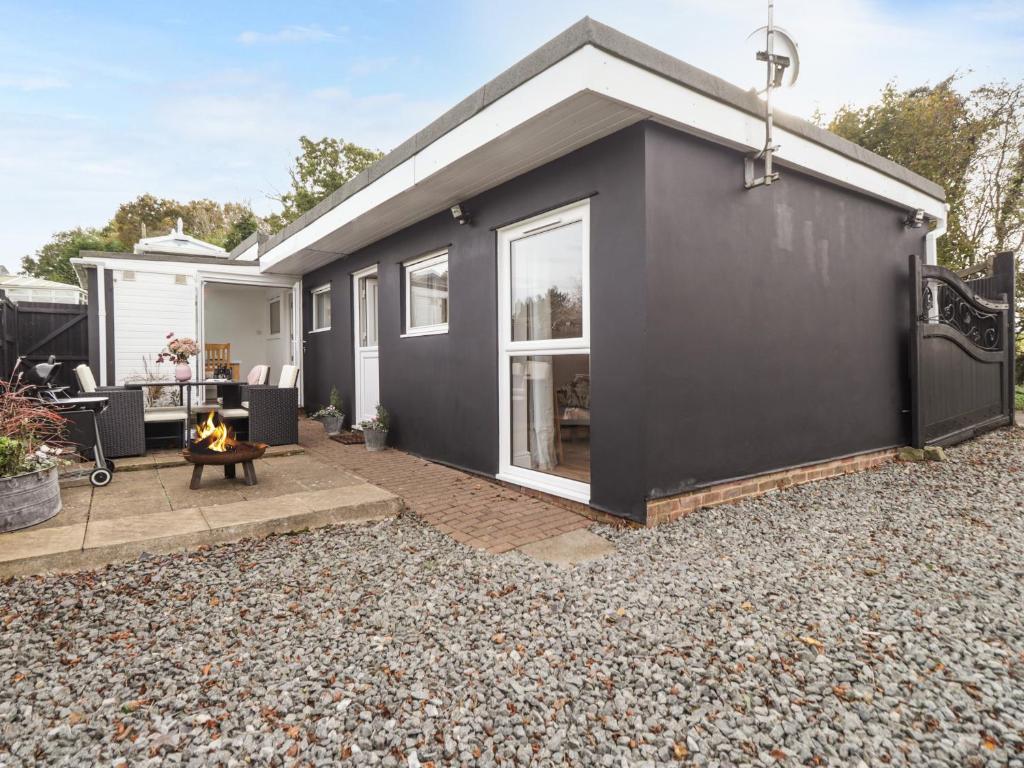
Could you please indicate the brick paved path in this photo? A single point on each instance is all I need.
(471, 510)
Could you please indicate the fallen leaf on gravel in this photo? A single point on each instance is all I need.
(812, 642)
(680, 751)
(778, 754)
(746, 606)
(990, 744)
(498, 638)
(75, 718)
(293, 732)
(206, 669)
(214, 601)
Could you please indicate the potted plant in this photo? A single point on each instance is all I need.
(375, 430)
(331, 416)
(179, 351)
(31, 444)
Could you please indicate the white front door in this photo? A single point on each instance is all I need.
(364, 300)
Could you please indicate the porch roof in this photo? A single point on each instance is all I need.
(586, 83)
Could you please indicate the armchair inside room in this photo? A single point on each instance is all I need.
(573, 400)
(122, 425)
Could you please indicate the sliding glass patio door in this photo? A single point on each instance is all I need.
(544, 352)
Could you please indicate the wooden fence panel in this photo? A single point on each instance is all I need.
(8, 335)
(43, 329)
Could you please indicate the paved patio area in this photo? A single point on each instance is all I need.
(471, 510)
(148, 507)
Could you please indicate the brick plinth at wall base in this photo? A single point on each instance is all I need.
(673, 507)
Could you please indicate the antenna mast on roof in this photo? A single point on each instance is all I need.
(775, 65)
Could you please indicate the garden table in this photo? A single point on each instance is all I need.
(228, 390)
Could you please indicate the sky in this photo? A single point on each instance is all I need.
(103, 101)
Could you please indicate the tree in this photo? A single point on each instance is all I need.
(145, 211)
(322, 167)
(206, 219)
(243, 226)
(933, 131)
(994, 211)
(972, 145)
(53, 260)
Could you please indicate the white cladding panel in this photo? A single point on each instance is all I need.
(146, 309)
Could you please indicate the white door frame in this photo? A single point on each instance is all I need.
(357, 357)
(255, 281)
(507, 349)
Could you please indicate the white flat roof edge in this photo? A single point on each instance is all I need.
(593, 69)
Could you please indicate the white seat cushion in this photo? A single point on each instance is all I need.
(165, 414)
(86, 381)
(234, 413)
(289, 375)
(258, 375)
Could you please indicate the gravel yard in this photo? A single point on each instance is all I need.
(872, 619)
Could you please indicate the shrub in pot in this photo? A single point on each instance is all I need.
(31, 444)
(375, 430)
(331, 416)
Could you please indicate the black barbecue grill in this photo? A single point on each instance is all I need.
(80, 412)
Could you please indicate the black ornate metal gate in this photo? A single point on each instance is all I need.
(961, 356)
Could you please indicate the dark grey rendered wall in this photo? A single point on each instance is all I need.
(777, 319)
(442, 390)
(732, 332)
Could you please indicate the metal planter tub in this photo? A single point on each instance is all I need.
(375, 439)
(28, 499)
(332, 424)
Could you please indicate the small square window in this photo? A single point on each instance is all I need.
(426, 295)
(322, 308)
(275, 317)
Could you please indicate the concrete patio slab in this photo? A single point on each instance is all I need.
(154, 511)
(569, 548)
(148, 528)
(33, 542)
(299, 511)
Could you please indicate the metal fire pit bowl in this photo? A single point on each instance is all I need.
(244, 454)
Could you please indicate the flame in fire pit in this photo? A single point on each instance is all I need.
(213, 435)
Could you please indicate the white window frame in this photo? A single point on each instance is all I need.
(429, 260)
(508, 349)
(280, 318)
(312, 322)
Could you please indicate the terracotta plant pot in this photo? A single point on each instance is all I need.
(28, 499)
(375, 439)
(182, 372)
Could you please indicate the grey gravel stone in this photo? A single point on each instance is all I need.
(874, 619)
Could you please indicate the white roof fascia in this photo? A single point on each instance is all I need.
(652, 95)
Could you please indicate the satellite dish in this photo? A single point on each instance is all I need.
(782, 67)
(785, 74)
